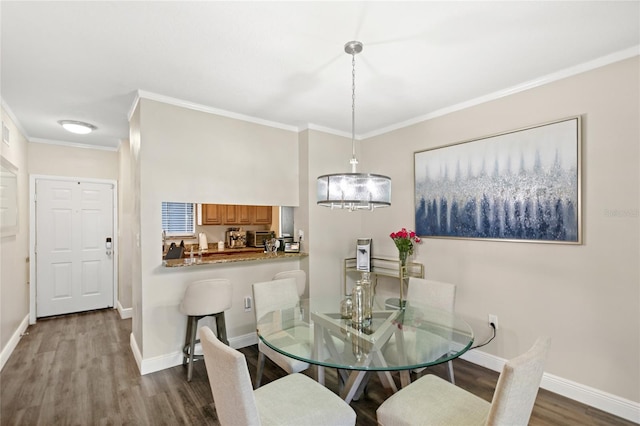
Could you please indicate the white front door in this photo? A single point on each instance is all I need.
(74, 260)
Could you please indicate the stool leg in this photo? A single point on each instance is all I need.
(221, 328)
(192, 345)
(187, 342)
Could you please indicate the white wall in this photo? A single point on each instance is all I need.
(61, 160)
(192, 156)
(125, 239)
(586, 297)
(14, 250)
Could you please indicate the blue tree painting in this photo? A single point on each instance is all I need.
(521, 185)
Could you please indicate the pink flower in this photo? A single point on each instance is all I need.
(404, 240)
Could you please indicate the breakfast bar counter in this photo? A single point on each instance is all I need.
(229, 258)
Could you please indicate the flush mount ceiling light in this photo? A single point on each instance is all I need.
(77, 127)
(354, 191)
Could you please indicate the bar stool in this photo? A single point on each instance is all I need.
(204, 298)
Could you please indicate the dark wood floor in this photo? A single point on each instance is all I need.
(79, 370)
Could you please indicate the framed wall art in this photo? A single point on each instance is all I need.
(522, 185)
(8, 198)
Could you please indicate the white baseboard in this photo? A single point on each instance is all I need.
(13, 342)
(136, 351)
(244, 341)
(162, 362)
(124, 312)
(601, 400)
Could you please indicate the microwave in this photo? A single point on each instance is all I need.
(257, 238)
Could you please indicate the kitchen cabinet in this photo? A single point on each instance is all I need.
(212, 214)
(231, 214)
(237, 215)
(262, 215)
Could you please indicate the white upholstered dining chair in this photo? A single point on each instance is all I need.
(295, 399)
(433, 401)
(299, 275)
(436, 294)
(269, 296)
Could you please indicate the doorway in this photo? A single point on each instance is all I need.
(73, 245)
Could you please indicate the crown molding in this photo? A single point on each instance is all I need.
(203, 108)
(311, 126)
(13, 118)
(549, 78)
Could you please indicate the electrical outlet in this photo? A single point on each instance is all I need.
(493, 319)
(247, 304)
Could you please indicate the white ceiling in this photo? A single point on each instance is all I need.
(284, 61)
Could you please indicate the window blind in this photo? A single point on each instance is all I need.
(178, 218)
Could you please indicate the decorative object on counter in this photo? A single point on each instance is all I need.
(404, 241)
(193, 259)
(271, 246)
(368, 295)
(353, 191)
(357, 315)
(346, 307)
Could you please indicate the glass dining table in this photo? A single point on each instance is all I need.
(401, 340)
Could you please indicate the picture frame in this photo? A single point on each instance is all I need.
(522, 185)
(8, 198)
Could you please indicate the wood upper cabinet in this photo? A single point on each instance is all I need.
(229, 214)
(237, 215)
(262, 215)
(212, 214)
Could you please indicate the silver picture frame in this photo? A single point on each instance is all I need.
(522, 185)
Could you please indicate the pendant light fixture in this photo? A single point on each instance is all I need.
(354, 191)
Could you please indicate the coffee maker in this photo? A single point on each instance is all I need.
(363, 254)
(236, 238)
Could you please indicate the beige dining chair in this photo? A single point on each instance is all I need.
(295, 399)
(277, 294)
(430, 293)
(299, 275)
(433, 401)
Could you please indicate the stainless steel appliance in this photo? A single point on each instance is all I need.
(284, 240)
(257, 238)
(363, 254)
(235, 238)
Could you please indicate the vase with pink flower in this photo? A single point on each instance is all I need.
(404, 241)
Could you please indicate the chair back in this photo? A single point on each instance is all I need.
(230, 382)
(438, 294)
(299, 275)
(518, 386)
(206, 297)
(275, 295)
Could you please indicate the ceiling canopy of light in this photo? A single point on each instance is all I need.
(354, 191)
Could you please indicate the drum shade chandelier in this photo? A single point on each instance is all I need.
(354, 191)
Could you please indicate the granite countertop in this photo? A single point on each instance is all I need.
(229, 258)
